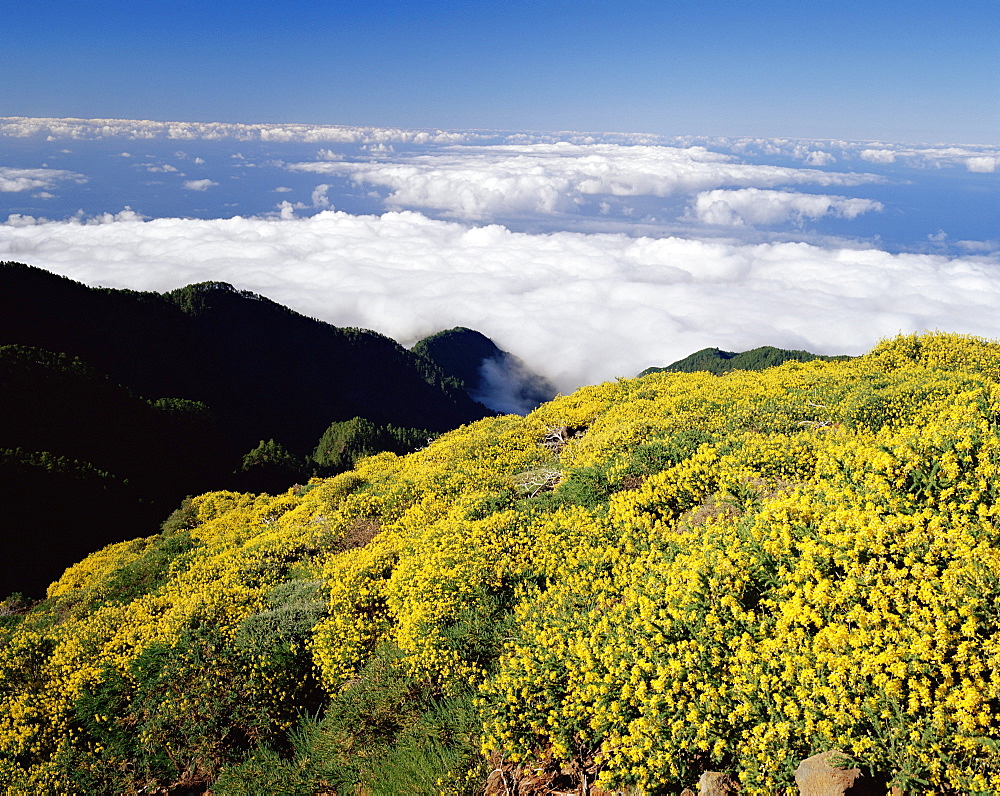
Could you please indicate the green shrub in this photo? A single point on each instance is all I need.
(183, 518)
(265, 771)
(387, 732)
(294, 608)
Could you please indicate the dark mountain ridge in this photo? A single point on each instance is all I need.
(266, 370)
(116, 404)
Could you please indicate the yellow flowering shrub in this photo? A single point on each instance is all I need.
(644, 580)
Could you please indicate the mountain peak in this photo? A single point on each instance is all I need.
(493, 377)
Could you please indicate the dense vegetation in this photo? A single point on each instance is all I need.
(635, 583)
(264, 370)
(115, 405)
(489, 374)
(459, 352)
(717, 361)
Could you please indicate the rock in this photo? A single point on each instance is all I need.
(715, 783)
(817, 776)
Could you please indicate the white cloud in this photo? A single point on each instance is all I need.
(755, 206)
(22, 220)
(319, 198)
(979, 246)
(128, 215)
(481, 183)
(282, 189)
(17, 180)
(819, 158)
(579, 308)
(985, 164)
(878, 155)
(800, 151)
(199, 185)
(166, 168)
(974, 158)
(318, 201)
(91, 129)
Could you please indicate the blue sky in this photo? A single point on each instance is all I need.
(916, 71)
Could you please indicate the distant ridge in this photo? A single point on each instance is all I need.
(492, 376)
(717, 361)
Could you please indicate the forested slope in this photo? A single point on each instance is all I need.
(116, 404)
(489, 374)
(717, 361)
(634, 584)
(265, 370)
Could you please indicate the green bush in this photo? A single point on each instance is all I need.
(294, 608)
(387, 732)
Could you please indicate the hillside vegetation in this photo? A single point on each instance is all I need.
(264, 370)
(636, 583)
(144, 398)
(490, 375)
(715, 360)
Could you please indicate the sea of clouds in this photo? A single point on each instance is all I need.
(589, 256)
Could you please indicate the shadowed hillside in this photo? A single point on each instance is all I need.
(265, 370)
(167, 395)
(100, 460)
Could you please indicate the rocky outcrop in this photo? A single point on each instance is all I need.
(820, 775)
(715, 783)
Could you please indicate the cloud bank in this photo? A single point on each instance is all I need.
(750, 206)
(480, 183)
(96, 129)
(976, 159)
(577, 308)
(820, 152)
(815, 152)
(17, 180)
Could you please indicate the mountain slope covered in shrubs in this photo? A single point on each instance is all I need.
(634, 584)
